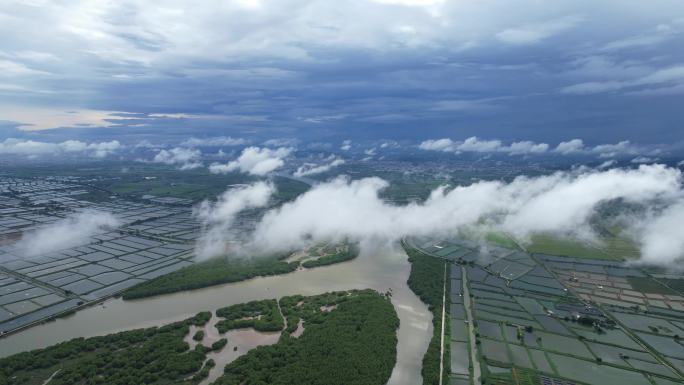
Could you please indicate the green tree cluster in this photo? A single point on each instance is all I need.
(354, 344)
(144, 356)
(262, 315)
(347, 253)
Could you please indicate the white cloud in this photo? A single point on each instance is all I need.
(562, 203)
(643, 159)
(444, 144)
(527, 147)
(612, 150)
(98, 150)
(217, 217)
(390, 144)
(10, 68)
(135, 40)
(32, 56)
(312, 168)
(33, 148)
(214, 142)
(664, 75)
(574, 146)
(138, 32)
(465, 105)
(592, 87)
(411, 3)
(657, 35)
(346, 145)
(603, 68)
(534, 33)
(255, 161)
(281, 142)
(607, 164)
(608, 150)
(570, 147)
(474, 144)
(71, 231)
(220, 154)
(179, 45)
(323, 118)
(174, 115)
(662, 237)
(184, 158)
(659, 79)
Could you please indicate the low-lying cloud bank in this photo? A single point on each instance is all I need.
(526, 147)
(610, 150)
(254, 161)
(562, 203)
(71, 231)
(474, 144)
(32, 148)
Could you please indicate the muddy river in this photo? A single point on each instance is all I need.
(381, 269)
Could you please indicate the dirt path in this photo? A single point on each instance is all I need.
(51, 376)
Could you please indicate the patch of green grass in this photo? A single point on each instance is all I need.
(195, 185)
(288, 189)
(618, 246)
(261, 315)
(160, 188)
(546, 244)
(501, 239)
(167, 181)
(660, 286)
(517, 376)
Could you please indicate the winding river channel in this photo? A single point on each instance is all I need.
(381, 269)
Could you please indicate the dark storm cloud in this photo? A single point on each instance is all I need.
(324, 71)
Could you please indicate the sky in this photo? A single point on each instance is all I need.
(525, 71)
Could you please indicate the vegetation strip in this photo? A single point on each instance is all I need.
(230, 269)
(428, 281)
(209, 273)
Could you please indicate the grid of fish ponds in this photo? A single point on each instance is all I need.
(559, 320)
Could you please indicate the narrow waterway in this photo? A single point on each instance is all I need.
(381, 269)
(467, 303)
